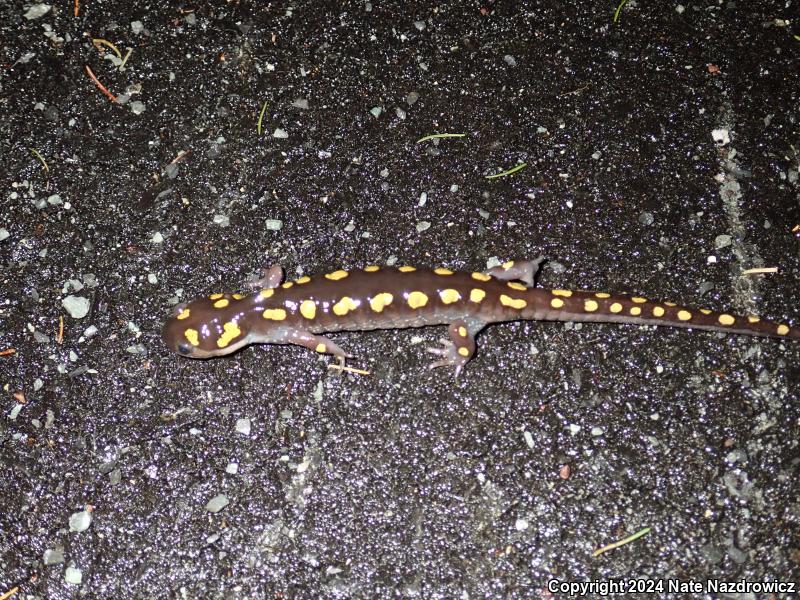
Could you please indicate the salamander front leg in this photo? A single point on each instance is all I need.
(317, 343)
(456, 353)
(521, 270)
(270, 278)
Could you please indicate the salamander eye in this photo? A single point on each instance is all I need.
(185, 348)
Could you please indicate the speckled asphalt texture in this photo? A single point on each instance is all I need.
(129, 472)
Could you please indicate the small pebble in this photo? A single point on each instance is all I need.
(722, 241)
(53, 557)
(721, 137)
(80, 521)
(35, 11)
(76, 306)
(73, 575)
(528, 438)
(217, 503)
(646, 218)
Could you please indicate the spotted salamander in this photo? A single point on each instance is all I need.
(296, 312)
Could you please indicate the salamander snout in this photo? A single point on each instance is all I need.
(174, 332)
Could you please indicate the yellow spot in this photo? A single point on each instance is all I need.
(303, 279)
(615, 308)
(782, 329)
(602, 295)
(638, 300)
(590, 306)
(417, 300)
(372, 268)
(266, 293)
(557, 303)
(442, 271)
(462, 331)
(274, 314)
(449, 296)
(481, 276)
(308, 308)
(750, 319)
(565, 293)
(215, 296)
(516, 286)
(230, 331)
(684, 315)
(406, 269)
(192, 336)
(670, 304)
(222, 303)
(517, 303)
(184, 314)
(336, 275)
(287, 285)
(320, 347)
(476, 295)
(636, 311)
(726, 319)
(463, 351)
(380, 301)
(237, 296)
(705, 311)
(507, 265)
(658, 311)
(344, 306)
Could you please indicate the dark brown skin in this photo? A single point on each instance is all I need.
(392, 298)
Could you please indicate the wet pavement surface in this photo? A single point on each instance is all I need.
(661, 158)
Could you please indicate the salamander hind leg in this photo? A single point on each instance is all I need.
(520, 270)
(457, 351)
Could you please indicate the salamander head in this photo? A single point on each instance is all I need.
(206, 327)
